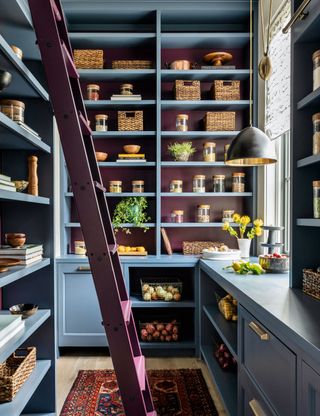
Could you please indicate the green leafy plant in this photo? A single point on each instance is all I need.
(181, 151)
(131, 210)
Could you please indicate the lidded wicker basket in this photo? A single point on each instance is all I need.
(132, 64)
(220, 121)
(130, 120)
(225, 90)
(187, 90)
(88, 58)
(196, 247)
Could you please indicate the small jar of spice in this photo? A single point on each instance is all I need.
(209, 152)
(199, 183)
(176, 185)
(138, 186)
(219, 183)
(115, 187)
(93, 92)
(238, 182)
(316, 199)
(126, 89)
(182, 122)
(177, 216)
(101, 122)
(316, 69)
(203, 213)
(80, 248)
(316, 134)
(227, 215)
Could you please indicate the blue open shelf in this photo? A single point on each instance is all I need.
(22, 197)
(205, 74)
(205, 194)
(126, 164)
(115, 74)
(18, 272)
(204, 40)
(200, 134)
(307, 161)
(121, 194)
(122, 134)
(311, 100)
(308, 222)
(118, 104)
(137, 302)
(94, 40)
(193, 164)
(204, 105)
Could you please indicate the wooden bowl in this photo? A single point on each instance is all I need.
(15, 239)
(101, 156)
(131, 148)
(24, 309)
(21, 185)
(217, 58)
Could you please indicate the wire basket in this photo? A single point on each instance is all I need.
(225, 90)
(160, 331)
(187, 90)
(311, 283)
(220, 121)
(161, 289)
(15, 371)
(130, 120)
(88, 58)
(132, 64)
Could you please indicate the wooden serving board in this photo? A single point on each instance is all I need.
(134, 253)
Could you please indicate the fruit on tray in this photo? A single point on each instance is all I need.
(165, 293)
(245, 267)
(274, 263)
(225, 358)
(228, 307)
(214, 249)
(157, 331)
(129, 249)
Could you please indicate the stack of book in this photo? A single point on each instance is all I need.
(131, 157)
(27, 254)
(10, 326)
(120, 97)
(6, 184)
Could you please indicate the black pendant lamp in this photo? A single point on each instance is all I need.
(251, 147)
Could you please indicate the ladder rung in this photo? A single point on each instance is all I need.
(141, 371)
(72, 70)
(113, 248)
(126, 309)
(153, 413)
(99, 186)
(56, 11)
(84, 125)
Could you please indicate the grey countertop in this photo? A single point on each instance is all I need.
(294, 315)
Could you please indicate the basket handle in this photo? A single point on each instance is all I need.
(188, 83)
(227, 83)
(23, 352)
(130, 113)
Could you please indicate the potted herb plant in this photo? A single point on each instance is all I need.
(131, 210)
(181, 151)
(244, 237)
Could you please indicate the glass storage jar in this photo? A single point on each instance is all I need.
(199, 183)
(209, 152)
(13, 109)
(126, 89)
(316, 69)
(80, 248)
(138, 186)
(93, 92)
(316, 134)
(115, 187)
(238, 182)
(182, 122)
(177, 216)
(176, 185)
(316, 199)
(219, 183)
(203, 213)
(101, 122)
(226, 147)
(227, 215)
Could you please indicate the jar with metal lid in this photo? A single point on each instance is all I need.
(177, 216)
(203, 213)
(227, 215)
(316, 134)
(316, 69)
(80, 248)
(126, 89)
(182, 122)
(316, 199)
(226, 147)
(219, 183)
(115, 187)
(176, 185)
(238, 182)
(17, 51)
(101, 122)
(209, 152)
(93, 92)
(138, 186)
(199, 183)
(13, 109)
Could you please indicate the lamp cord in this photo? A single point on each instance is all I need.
(251, 64)
(264, 47)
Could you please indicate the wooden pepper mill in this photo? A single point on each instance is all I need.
(33, 175)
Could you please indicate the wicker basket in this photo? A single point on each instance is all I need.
(225, 90)
(15, 371)
(187, 90)
(88, 58)
(196, 247)
(220, 121)
(132, 64)
(130, 120)
(228, 307)
(311, 283)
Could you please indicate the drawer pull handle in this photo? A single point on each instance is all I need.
(256, 408)
(264, 336)
(83, 269)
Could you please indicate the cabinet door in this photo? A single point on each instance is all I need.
(80, 322)
(310, 391)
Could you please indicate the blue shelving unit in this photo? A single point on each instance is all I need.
(213, 105)
(116, 74)
(117, 104)
(205, 75)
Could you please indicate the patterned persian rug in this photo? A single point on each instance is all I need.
(175, 393)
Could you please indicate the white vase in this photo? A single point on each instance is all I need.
(244, 247)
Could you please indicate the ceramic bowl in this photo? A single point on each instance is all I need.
(15, 239)
(131, 148)
(274, 264)
(21, 185)
(101, 156)
(24, 309)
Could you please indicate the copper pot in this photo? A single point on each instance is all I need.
(180, 64)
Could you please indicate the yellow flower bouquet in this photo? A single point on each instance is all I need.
(244, 221)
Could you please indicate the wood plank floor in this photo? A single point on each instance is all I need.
(69, 365)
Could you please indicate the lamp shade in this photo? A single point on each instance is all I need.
(251, 147)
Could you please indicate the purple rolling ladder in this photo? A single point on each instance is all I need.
(76, 139)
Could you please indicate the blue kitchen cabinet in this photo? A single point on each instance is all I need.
(310, 390)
